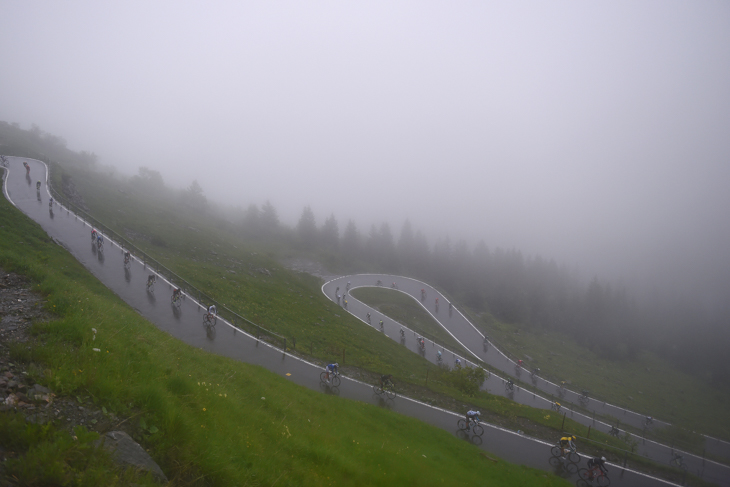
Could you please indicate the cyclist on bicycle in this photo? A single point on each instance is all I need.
(565, 443)
(368, 317)
(151, 280)
(596, 465)
(127, 257)
(348, 286)
(50, 202)
(381, 326)
(649, 420)
(402, 333)
(381, 323)
(536, 371)
(99, 237)
(437, 301)
(557, 406)
(472, 416)
(421, 343)
(212, 310)
(331, 369)
(510, 383)
(386, 381)
(38, 185)
(176, 293)
(27, 167)
(457, 363)
(520, 363)
(438, 355)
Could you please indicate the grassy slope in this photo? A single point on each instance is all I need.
(647, 384)
(286, 302)
(212, 423)
(219, 261)
(406, 310)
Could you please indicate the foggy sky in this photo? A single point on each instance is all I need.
(597, 133)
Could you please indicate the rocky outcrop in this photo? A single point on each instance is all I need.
(129, 453)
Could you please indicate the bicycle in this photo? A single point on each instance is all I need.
(509, 386)
(388, 389)
(614, 431)
(584, 399)
(209, 319)
(678, 461)
(594, 475)
(571, 455)
(334, 378)
(473, 425)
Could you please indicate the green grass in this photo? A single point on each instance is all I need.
(647, 385)
(407, 311)
(212, 255)
(210, 420)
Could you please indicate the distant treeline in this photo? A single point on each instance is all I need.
(532, 292)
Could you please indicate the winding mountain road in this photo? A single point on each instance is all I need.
(185, 323)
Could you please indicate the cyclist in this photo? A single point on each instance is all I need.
(402, 332)
(596, 465)
(556, 406)
(438, 355)
(423, 293)
(520, 363)
(380, 283)
(348, 286)
(27, 167)
(649, 420)
(50, 202)
(93, 234)
(344, 302)
(536, 371)
(176, 293)
(566, 442)
(421, 343)
(212, 310)
(510, 383)
(368, 317)
(471, 416)
(437, 301)
(457, 363)
(99, 237)
(127, 257)
(331, 369)
(381, 326)
(38, 186)
(386, 381)
(151, 280)
(338, 298)
(381, 323)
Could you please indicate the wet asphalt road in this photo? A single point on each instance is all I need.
(186, 324)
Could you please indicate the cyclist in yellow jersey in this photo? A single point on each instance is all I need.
(566, 442)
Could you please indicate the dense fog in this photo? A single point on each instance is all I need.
(592, 133)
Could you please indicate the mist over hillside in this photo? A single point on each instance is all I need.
(504, 284)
